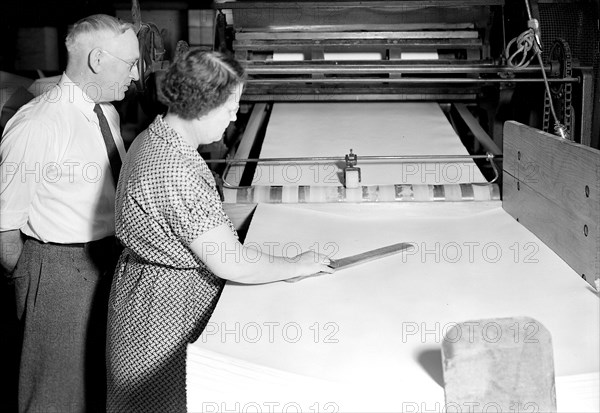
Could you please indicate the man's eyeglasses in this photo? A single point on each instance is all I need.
(130, 64)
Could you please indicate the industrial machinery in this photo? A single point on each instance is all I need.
(447, 51)
(373, 123)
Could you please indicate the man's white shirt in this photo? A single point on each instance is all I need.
(55, 181)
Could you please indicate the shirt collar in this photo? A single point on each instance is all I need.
(73, 92)
(163, 130)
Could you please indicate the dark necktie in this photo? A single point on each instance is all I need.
(111, 148)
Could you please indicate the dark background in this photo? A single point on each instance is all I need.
(15, 14)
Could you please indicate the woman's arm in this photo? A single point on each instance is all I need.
(227, 258)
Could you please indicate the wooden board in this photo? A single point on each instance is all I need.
(234, 175)
(552, 187)
(456, 34)
(238, 213)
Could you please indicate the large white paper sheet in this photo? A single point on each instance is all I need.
(369, 128)
(375, 331)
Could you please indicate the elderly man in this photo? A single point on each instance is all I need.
(60, 158)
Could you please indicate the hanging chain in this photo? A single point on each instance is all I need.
(561, 95)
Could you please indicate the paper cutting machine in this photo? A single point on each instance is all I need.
(369, 338)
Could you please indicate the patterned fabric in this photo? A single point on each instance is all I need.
(162, 295)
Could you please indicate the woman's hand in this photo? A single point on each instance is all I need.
(310, 264)
(222, 253)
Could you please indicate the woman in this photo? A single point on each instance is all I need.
(170, 219)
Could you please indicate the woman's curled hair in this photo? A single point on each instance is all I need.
(198, 82)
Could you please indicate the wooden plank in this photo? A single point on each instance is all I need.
(364, 27)
(344, 4)
(587, 105)
(371, 255)
(558, 169)
(354, 95)
(552, 187)
(562, 233)
(256, 119)
(278, 44)
(509, 371)
(367, 16)
(479, 133)
(240, 215)
(454, 34)
(243, 151)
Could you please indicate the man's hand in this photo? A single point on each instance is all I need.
(11, 246)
